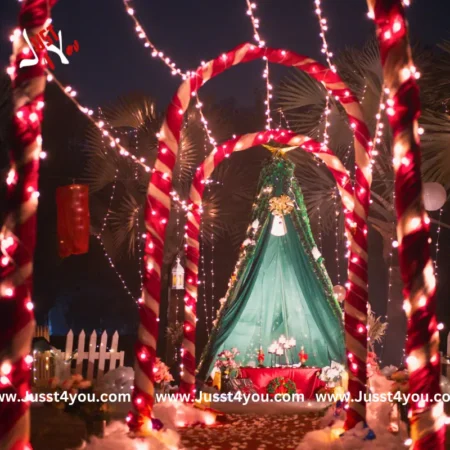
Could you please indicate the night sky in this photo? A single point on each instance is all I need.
(112, 61)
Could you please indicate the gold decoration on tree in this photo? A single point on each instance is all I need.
(281, 206)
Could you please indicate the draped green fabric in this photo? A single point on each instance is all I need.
(281, 287)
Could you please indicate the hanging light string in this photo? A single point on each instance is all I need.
(136, 147)
(203, 120)
(113, 142)
(379, 126)
(113, 266)
(203, 276)
(336, 235)
(140, 248)
(326, 114)
(283, 117)
(323, 24)
(113, 190)
(392, 244)
(105, 221)
(251, 6)
(212, 299)
(155, 52)
(437, 244)
(320, 228)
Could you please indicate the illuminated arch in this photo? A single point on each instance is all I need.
(194, 218)
(158, 210)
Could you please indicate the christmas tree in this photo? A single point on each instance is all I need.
(280, 285)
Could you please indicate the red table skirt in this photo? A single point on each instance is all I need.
(306, 379)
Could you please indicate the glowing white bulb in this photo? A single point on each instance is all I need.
(397, 26)
(6, 368)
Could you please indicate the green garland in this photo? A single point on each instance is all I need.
(277, 169)
(279, 384)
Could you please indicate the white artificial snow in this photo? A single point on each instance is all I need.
(378, 421)
(116, 437)
(177, 414)
(117, 381)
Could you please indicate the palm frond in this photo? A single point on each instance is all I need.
(376, 329)
(126, 224)
(133, 110)
(436, 147)
(102, 162)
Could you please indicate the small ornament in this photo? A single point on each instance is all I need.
(316, 254)
(303, 356)
(434, 196)
(281, 206)
(178, 276)
(261, 357)
(255, 224)
(339, 293)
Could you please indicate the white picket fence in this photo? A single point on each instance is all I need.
(43, 369)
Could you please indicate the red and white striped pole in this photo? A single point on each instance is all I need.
(18, 232)
(427, 416)
(157, 216)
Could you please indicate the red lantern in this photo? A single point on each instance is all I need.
(73, 219)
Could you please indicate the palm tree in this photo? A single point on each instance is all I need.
(303, 101)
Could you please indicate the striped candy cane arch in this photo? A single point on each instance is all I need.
(158, 209)
(18, 232)
(413, 231)
(194, 217)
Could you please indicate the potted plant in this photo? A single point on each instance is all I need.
(228, 366)
(332, 375)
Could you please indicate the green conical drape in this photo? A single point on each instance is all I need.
(280, 286)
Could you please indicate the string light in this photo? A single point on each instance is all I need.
(212, 271)
(203, 120)
(323, 28)
(326, 113)
(393, 244)
(114, 142)
(320, 228)
(251, 6)
(203, 277)
(437, 244)
(155, 52)
(113, 266)
(336, 235)
(379, 126)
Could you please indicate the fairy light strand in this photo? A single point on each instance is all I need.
(114, 142)
(379, 126)
(336, 235)
(323, 24)
(251, 6)
(437, 244)
(155, 52)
